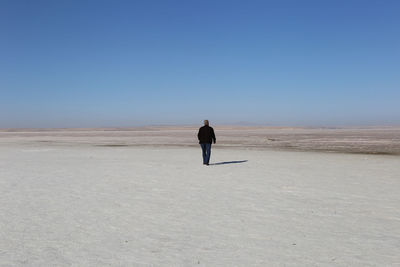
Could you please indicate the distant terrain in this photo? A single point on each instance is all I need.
(369, 140)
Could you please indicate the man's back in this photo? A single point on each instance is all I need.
(206, 135)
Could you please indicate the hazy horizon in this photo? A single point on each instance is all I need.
(232, 124)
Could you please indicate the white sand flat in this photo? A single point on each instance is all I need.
(159, 206)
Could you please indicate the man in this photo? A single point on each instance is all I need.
(206, 136)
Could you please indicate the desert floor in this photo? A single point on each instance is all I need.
(141, 198)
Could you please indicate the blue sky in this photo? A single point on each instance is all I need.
(126, 63)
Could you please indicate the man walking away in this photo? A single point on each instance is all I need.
(206, 136)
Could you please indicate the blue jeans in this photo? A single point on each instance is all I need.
(206, 148)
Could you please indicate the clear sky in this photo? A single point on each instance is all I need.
(125, 63)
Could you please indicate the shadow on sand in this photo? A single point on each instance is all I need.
(229, 162)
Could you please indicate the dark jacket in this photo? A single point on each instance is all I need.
(206, 135)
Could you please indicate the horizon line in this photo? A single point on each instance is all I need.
(199, 125)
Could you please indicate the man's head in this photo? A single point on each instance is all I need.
(206, 122)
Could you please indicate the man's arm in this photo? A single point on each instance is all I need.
(213, 135)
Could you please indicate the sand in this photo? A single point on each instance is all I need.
(88, 201)
(370, 140)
